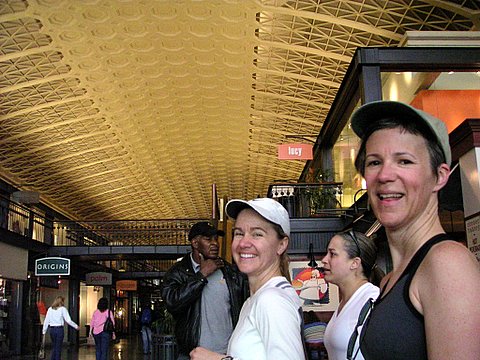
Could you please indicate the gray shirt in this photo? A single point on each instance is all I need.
(216, 319)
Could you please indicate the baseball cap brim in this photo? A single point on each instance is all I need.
(366, 115)
(268, 208)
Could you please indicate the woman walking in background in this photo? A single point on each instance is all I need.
(350, 264)
(102, 338)
(55, 320)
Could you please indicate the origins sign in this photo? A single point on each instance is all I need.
(52, 266)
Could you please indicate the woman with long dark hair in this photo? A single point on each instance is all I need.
(102, 338)
(350, 264)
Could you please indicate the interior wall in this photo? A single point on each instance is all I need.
(450, 106)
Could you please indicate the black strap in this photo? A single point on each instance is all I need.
(417, 258)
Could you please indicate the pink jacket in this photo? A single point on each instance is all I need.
(98, 319)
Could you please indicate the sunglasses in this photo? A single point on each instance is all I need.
(351, 233)
(362, 317)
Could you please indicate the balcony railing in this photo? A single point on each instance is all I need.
(303, 200)
(123, 232)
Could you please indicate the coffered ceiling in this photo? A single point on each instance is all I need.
(132, 109)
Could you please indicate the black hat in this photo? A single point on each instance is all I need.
(205, 229)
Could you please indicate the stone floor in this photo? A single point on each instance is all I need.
(129, 348)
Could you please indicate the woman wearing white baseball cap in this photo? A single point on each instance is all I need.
(270, 324)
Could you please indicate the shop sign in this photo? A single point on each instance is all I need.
(472, 229)
(98, 278)
(126, 285)
(295, 152)
(52, 266)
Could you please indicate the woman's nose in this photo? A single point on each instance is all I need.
(386, 173)
(245, 241)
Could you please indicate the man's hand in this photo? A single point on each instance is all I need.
(209, 266)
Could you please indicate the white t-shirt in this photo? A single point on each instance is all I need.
(57, 317)
(269, 327)
(341, 326)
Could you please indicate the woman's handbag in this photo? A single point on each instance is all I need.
(108, 326)
(41, 352)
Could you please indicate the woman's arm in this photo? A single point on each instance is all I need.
(68, 319)
(46, 322)
(279, 325)
(448, 290)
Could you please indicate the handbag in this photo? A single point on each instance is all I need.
(41, 352)
(108, 325)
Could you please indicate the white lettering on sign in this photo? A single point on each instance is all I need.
(52, 266)
(294, 151)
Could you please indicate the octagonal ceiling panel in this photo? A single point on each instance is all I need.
(118, 109)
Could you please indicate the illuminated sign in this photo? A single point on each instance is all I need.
(52, 266)
(98, 278)
(295, 152)
(126, 285)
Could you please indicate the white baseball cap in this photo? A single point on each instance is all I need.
(270, 209)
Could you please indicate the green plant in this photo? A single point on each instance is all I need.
(165, 324)
(323, 196)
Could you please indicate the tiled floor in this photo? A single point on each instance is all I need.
(127, 349)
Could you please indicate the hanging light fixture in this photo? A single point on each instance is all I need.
(312, 263)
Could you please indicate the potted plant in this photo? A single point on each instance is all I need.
(323, 196)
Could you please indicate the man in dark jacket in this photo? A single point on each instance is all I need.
(204, 293)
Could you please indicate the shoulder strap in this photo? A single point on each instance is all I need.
(422, 252)
(417, 259)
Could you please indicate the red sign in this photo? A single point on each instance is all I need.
(295, 152)
(126, 285)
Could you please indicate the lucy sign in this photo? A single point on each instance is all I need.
(295, 152)
(52, 266)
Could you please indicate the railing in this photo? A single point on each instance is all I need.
(304, 200)
(123, 232)
(23, 220)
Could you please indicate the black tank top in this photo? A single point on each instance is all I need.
(395, 329)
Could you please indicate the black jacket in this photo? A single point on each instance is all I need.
(182, 293)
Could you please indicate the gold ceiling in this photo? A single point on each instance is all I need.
(132, 109)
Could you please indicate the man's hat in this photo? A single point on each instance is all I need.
(203, 228)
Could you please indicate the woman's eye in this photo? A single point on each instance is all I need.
(406, 161)
(372, 163)
(237, 233)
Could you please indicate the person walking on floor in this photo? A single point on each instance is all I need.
(146, 324)
(102, 338)
(204, 293)
(57, 316)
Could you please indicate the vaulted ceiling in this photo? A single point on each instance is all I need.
(132, 109)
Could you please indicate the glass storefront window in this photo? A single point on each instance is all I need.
(450, 96)
(344, 153)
